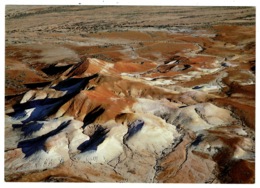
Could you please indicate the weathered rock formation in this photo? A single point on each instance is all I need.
(171, 107)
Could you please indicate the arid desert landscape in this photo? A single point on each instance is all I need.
(148, 94)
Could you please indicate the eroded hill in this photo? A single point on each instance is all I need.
(165, 96)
